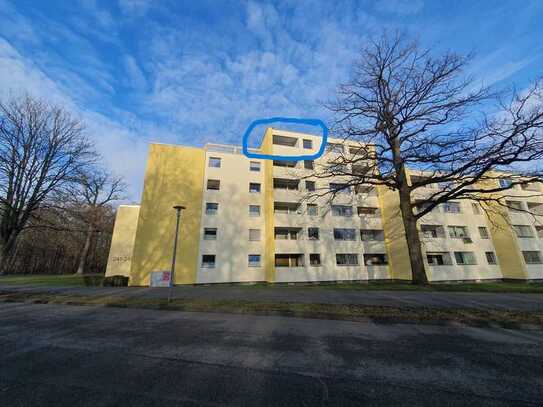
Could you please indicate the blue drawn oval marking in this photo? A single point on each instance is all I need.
(311, 122)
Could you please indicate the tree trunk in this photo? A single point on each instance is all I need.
(6, 252)
(85, 252)
(413, 240)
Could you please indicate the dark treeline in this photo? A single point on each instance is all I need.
(56, 199)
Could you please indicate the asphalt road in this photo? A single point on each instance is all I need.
(52, 355)
(514, 301)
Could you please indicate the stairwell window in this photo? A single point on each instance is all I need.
(212, 208)
(208, 261)
(210, 233)
(214, 162)
(310, 186)
(314, 259)
(491, 258)
(313, 233)
(483, 232)
(523, 231)
(254, 235)
(254, 166)
(308, 165)
(254, 260)
(458, 232)
(254, 188)
(312, 210)
(452, 207)
(308, 144)
(213, 185)
(254, 211)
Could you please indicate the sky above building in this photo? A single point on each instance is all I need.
(191, 72)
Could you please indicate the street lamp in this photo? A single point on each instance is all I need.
(178, 209)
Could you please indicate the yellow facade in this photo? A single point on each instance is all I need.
(122, 241)
(174, 176)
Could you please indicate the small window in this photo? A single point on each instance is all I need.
(452, 207)
(308, 144)
(505, 182)
(483, 232)
(465, 258)
(348, 259)
(254, 210)
(539, 231)
(208, 261)
(334, 147)
(212, 208)
(314, 259)
(342, 210)
(312, 210)
(490, 257)
(254, 166)
(254, 235)
(254, 260)
(210, 233)
(523, 231)
(375, 259)
(254, 187)
(344, 234)
(309, 165)
(214, 162)
(313, 233)
(213, 184)
(532, 257)
(367, 235)
(310, 186)
(476, 208)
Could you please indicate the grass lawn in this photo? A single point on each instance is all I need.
(44, 280)
(93, 280)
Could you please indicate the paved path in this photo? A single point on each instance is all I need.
(523, 302)
(54, 355)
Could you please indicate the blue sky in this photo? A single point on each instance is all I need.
(192, 72)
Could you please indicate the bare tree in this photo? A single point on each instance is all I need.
(42, 147)
(409, 110)
(96, 190)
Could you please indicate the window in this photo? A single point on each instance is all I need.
(532, 186)
(254, 235)
(289, 260)
(254, 210)
(523, 231)
(483, 232)
(214, 162)
(334, 147)
(254, 187)
(312, 210)
(308, 144)
(212, 208)
(284, 183)
(284, 163)
(254, 166)
(254, 260)
(344, 234)
(286, 208)
(490, 257)
(342, 210)
(213, 184)
(532, 257)
(340, 188)
(505, 182)
(210, 233)
(476, 208)
(438, 258)
(451, 207)
(310, 186)
(208, 260)
(349, 259)
(284, 141)
(535, 208)
(421, 205)
(514, 205)
(313, 233)
(356, 150)
(314, 259)
(539, 231)
(375, 259)
(365, 189)
(432, 231)
(367, 211)
(367, 235)
(465, 258)
(286, 233)
(458, 232)
(309, 165)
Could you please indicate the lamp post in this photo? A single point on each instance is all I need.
(178, 209)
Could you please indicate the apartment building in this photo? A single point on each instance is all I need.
(251, 220)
